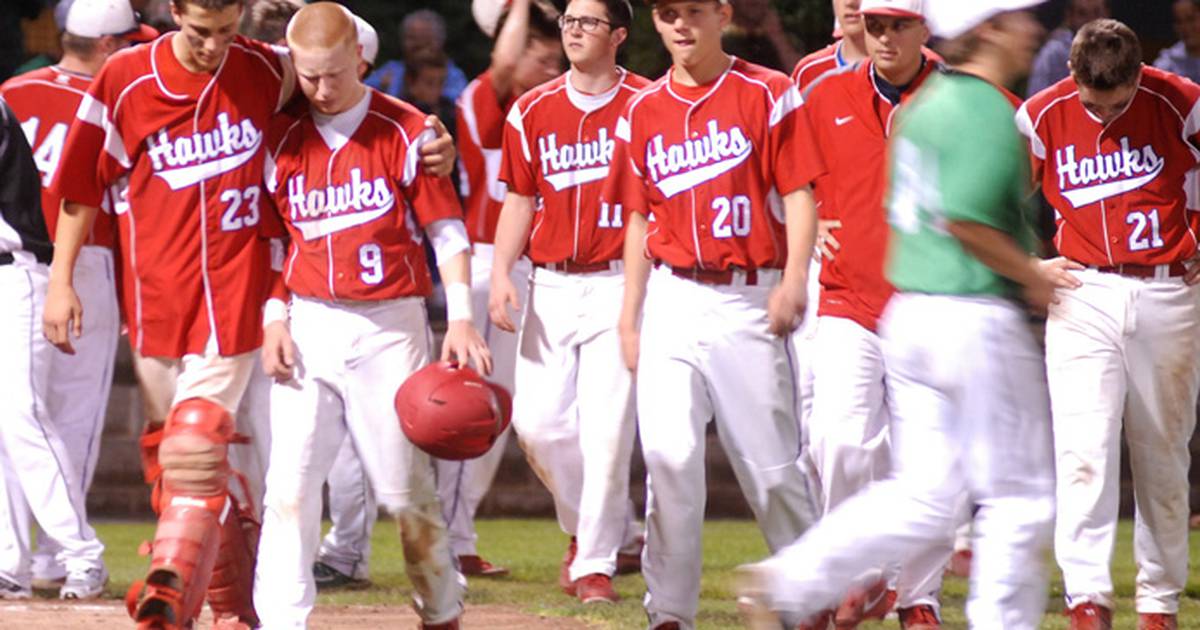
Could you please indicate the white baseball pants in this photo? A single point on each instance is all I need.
(850, 441)
(1123, 353)
(802, 341)
(970, 413)
(80, 384)
(351, 360)
(461, 486)
(38, 474)
(706, 355)
(353, 512)
(573, 413)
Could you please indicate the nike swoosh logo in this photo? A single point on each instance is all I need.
(841, 121)
(676, 184)
(570, 179)
(1081, 197)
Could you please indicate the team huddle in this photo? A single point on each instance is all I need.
(836, 268)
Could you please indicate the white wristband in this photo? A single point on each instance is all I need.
(458, 302)
(275, 310)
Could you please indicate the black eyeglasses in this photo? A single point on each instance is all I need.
(586, 23)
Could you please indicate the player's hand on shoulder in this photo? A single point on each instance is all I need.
(62, 316)
(278, 351)
(503, 295)
(464, 345)
(785, 308)
(439, 154)
(827, 243)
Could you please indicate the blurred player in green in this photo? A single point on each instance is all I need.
(969, 406)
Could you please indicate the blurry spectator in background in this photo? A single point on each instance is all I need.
(757, 35)
(267, 20)
(421, 30)
(1184, 58)
(424, 85)
(1050, 66)
(12, 50)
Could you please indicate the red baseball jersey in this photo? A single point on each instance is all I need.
(558, 145)
(817, 63)
(190, 146)
(707, 164)
(851, 122)
(481, 116)
(353, 195)
(1123, 193)
(45, 101)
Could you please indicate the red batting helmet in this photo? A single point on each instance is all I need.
(450, 412)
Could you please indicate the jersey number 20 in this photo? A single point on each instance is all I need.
(733, 216)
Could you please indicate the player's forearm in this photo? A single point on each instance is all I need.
(637, 268)
(512, 232)
(74, 224)
(510, 45)
(800, 213)
(996, 249)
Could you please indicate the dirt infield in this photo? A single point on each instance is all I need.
(35, 614)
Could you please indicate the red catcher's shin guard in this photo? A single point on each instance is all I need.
(230, 594)
(184, 553)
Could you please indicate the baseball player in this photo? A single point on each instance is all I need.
(527, 53)
(37, 473)
(177, 120)
(967, 393)
(346, 176)
(719, 221)
(852, 113)
(1121, 345)
(344, 556)
(574, 407)
(45, 102)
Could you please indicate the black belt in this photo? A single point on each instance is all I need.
(6, 258)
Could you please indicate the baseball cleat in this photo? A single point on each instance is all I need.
(86, 584)
(595, 588)
(628, 563)
(960, 563)
(1157, 621)
(475, 566)
(564, 571)
(48, 583)
(922, 617)
(11, 590)
(329, 578)
(1089, 616)
(873, 602)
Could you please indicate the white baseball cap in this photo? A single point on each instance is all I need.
(368, 39)
(897, 8)
(97, 18)
(950, 18)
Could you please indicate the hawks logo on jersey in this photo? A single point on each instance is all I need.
(1084, 181)
(577, 163)
(187, 160)
(678, 167)
(323, 211)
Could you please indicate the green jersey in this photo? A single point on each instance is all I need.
(957, 156)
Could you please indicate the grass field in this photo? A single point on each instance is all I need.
(533, 548)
